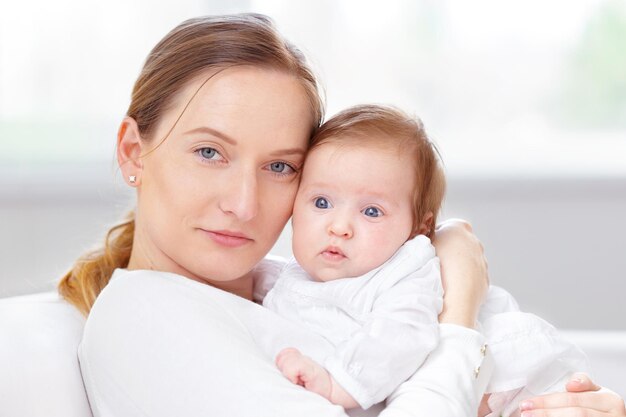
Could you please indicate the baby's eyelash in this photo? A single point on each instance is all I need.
(373, 211)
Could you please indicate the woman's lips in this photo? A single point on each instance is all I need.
(228, 238)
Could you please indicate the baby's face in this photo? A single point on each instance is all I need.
(353, 209)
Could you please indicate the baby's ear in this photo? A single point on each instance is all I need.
(427, 224)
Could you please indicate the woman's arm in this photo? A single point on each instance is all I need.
(452, 380)
(450, 383)
(463, 272)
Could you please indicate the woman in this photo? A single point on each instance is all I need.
(215, 136)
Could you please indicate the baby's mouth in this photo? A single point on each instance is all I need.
(333, 253)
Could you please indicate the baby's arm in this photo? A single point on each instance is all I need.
(304, 371)
(394, 340)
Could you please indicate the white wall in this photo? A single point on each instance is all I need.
(556, 244)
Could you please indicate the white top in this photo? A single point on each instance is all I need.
(160, 344)
(382, 325)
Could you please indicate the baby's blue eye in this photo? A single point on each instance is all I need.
(372, 212)
(208, 153)
(322, 203)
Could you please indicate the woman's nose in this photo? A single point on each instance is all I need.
(240, 198)
(341, 226)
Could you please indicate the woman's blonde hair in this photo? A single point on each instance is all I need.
(194, 47)
(377, 124)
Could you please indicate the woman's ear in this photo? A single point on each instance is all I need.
(129, 151)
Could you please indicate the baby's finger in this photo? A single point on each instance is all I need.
(291, 376)
(286, 355)
(292, 372)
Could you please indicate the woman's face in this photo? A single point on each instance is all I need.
(215, 195)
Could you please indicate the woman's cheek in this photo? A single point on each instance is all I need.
(277, 206)
(287, 201)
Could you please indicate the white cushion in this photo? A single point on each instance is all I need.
(39, 372)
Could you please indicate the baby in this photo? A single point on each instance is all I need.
(367, 277)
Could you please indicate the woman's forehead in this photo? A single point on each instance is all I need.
(243, 103)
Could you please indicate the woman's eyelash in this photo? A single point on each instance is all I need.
(208, 153)
(279, 167)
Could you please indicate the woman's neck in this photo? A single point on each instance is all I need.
(243, 287)
(140, 259)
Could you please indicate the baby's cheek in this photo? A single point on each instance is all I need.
(381, 247)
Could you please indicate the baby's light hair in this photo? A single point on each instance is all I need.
(384, 125)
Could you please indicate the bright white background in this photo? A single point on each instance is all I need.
(527, 101)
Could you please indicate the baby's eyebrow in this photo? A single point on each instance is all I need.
(368, 193)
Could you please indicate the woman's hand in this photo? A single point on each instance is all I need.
(463, 272)
(583, 398)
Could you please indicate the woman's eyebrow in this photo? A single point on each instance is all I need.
(289, 151)
(228, 139)
(212, 132)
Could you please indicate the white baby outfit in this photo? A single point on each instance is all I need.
(383, 325)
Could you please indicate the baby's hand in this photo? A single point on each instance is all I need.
(302, 370)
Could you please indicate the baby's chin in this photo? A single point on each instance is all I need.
(327, 274)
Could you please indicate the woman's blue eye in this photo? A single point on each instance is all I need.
(372, 212)
(208, 153)
(281, 168)
(278, 166)
(322, 203)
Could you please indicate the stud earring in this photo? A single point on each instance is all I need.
(132, 179)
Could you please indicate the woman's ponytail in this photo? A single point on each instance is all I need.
(92, 271)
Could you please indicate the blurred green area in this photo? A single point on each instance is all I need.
(593, 92)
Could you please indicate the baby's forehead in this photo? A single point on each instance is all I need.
(358, 172)
(337, 161)
(374, 142)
